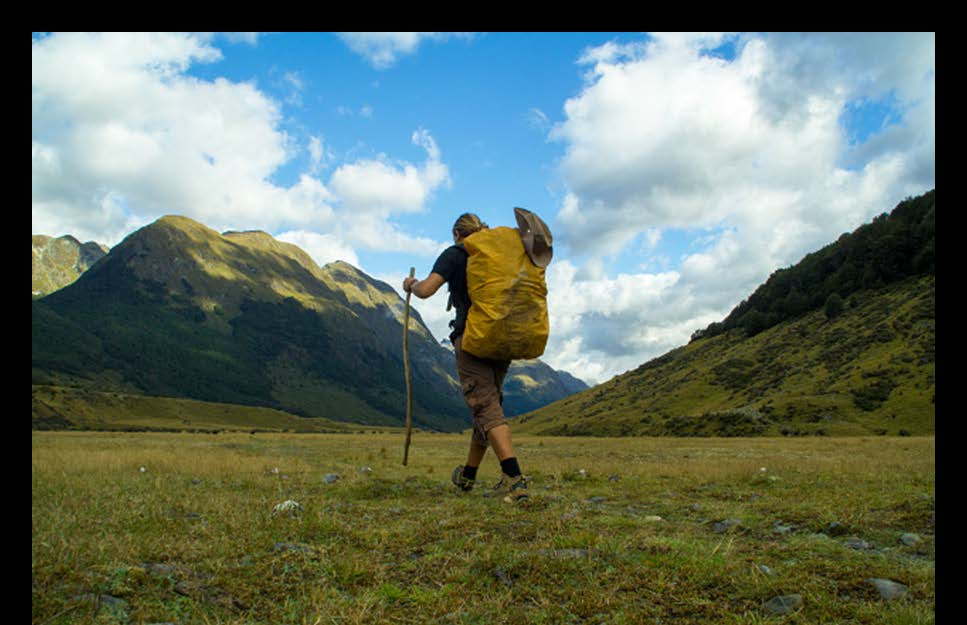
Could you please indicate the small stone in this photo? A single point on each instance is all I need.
(184, 588)
(113, 602)
(289, 547)
(502, 575)
(331, 477)
(654, 518)
(783, 604)
(723, 526)
(566, 553)
(835, 528)
(614, 478)
(765, 570)
(910, 540)
(365, 470)
(857, 543)
(597, 499)
(888, 588)
(158, 568)
(290, 507)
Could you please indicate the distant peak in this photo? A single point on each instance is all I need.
(260, 234)
(180, 220)
(344, 267)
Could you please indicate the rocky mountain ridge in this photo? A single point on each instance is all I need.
(58, 261)
(177, 309)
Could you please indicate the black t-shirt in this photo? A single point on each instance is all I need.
(452, 265)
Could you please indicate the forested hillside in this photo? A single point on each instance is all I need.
(893, 247)
(841, 343)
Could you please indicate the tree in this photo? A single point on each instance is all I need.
(834, 306)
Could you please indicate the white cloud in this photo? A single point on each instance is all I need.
(320, 156)
(381, 187)
(383, 50)
(601, 326)
(323, 248)
(295, 84)
(536, 118)
(665, 137)
(249, 38)
(122, 135)
(119, 117)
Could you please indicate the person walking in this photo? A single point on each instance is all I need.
(481, 379)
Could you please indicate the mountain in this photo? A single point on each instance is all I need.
(892, 247)
(179, 310)
(56, 262)
(531, 384)
(841, 343)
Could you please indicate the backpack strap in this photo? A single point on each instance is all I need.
(450, 295)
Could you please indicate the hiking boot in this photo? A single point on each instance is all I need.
(460, 481)
(514, 487)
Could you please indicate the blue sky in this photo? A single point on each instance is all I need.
(676, 170)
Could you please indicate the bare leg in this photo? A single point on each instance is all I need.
(476, 454)
(499, 438)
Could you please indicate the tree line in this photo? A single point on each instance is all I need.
(893, 247)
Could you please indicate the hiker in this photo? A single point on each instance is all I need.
(481, 379)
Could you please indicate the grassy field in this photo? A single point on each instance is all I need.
(179, 528)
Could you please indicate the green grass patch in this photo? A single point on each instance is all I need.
(638, 537)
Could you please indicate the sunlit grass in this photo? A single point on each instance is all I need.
(192, 538)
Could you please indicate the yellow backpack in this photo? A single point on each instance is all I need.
(507, 319)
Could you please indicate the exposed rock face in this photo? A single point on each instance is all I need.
(59, 261)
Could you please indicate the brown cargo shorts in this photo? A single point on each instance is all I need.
(482, 382)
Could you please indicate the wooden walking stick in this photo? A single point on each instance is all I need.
(406, 372)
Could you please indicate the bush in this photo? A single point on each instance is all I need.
(834, 306)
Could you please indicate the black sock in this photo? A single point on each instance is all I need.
(510, 467)
(470, 472)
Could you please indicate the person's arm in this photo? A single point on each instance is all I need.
(423, 288)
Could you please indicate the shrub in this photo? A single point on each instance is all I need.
(834, 306)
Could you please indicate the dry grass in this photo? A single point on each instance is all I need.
(192, 538)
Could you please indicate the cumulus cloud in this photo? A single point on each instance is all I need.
(382, 186)
(114, 116)
(249, 38)
(383, 50)
(665, 136)
(323, 248)
(121, 135)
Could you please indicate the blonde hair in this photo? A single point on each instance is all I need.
(467, 224)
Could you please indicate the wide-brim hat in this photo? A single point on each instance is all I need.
(536, 236)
